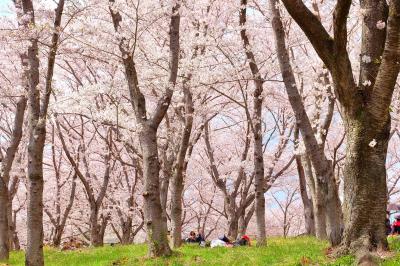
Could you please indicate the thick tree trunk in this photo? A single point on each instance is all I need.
(34, 247)
(365, 172)
(242, 226)
(233, 226)
(309, 222)
(96, 238)
(319, 203)
(334, 215)
(156, 224)
(126, 232)
(327, 211)
(244, 221)
(11, 225)
(176, 207)
(4, 230)
(16, 243)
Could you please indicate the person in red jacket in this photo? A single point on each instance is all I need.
(243, 241)
(396, 226)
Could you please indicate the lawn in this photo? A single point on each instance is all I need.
(292, 251)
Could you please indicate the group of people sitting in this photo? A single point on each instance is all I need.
(394, 228)
(226, 242)
(222, 241)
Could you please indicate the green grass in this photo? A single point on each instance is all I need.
(292, 251)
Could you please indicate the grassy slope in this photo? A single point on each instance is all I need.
(293, 251)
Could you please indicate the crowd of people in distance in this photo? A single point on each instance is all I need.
(394, 228)
(222, 241)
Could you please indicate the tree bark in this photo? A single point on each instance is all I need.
(96, 236)
(320, 210)
(319, 214)
(233, 218)
(244, 221)
(34, 248)
(4, 233)
(156, 224)
(364, 172)
(309, 223)
(178, 177)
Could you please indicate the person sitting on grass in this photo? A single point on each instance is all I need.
(243, 241)
(191, 238)
(222, 241)
(200, 238)
(396, 225)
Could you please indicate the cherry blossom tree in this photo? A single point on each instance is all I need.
(365, 109)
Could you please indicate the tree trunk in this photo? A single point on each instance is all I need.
(16, 243)
(96, 239)
(319, 203)
(4, 229)
(57, 237)
(334, 215)
(178, 178)
(176, 207)
(317, 200)
(259, 183)
(244, 221)
(233, 226)
(307, 202)
(34, 247)
(156, 223)
(11, 225)
(15, 240)
(126, 232)
(164, 187)
(365, 172)
(328, 214)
